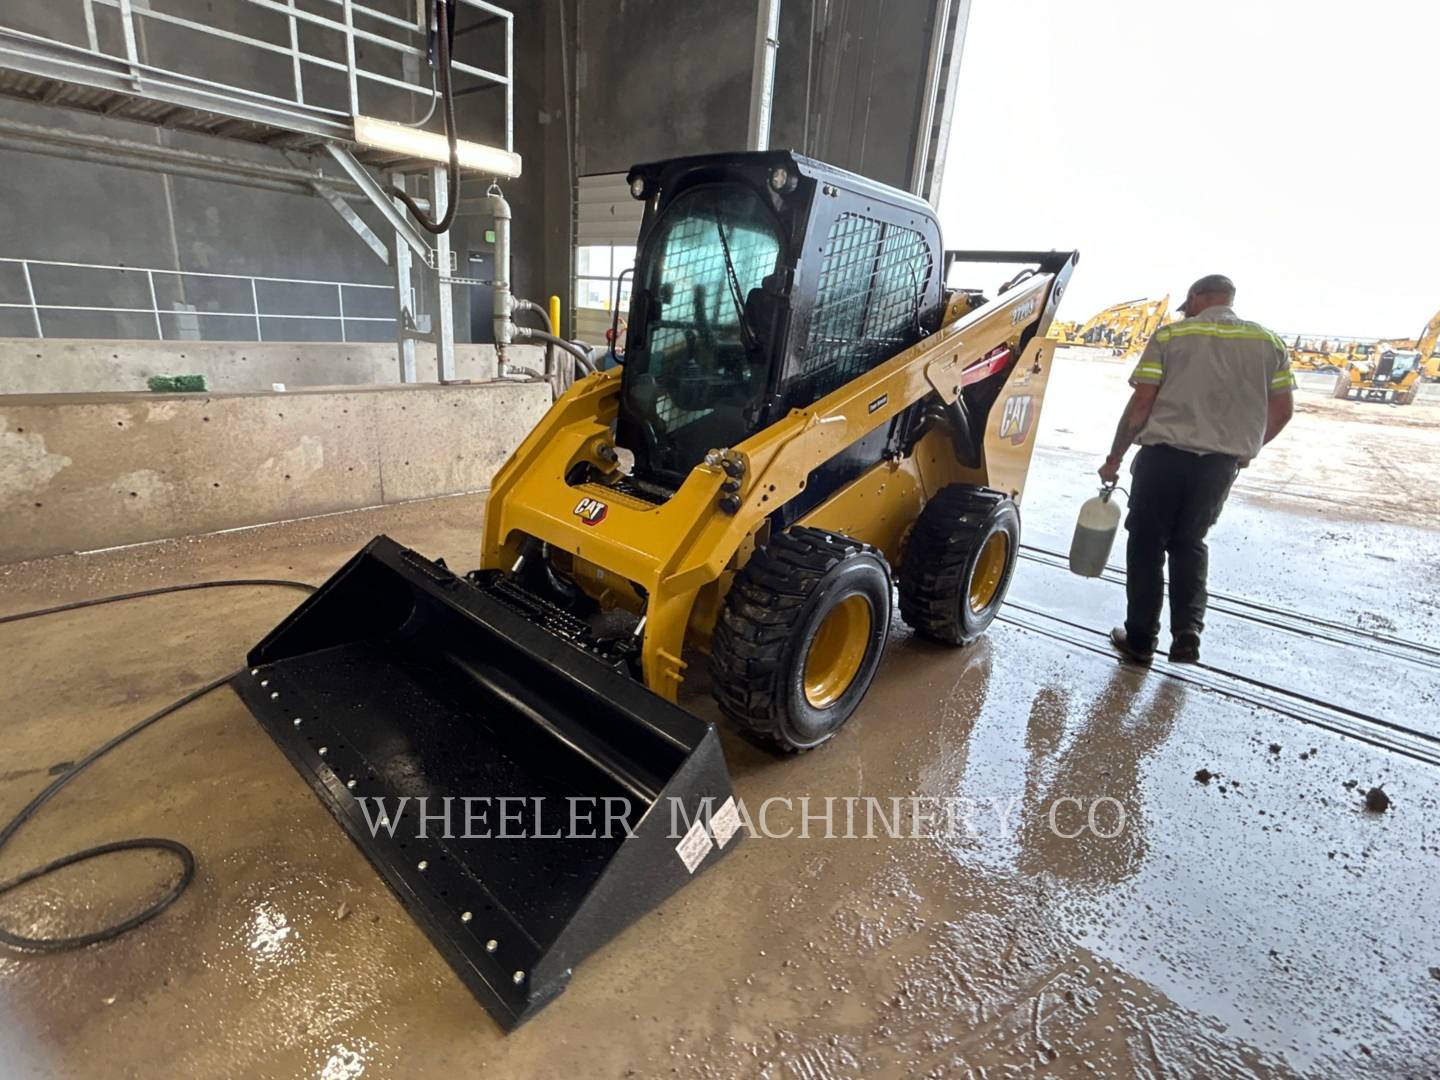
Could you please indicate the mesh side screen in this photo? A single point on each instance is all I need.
(872, 281)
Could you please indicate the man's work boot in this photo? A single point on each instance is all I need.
(1128, 652)
(1185, 648)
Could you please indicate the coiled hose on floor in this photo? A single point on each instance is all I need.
(151, 843)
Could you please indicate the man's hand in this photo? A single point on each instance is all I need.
(1110, 471)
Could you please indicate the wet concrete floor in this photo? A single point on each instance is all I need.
(1261, 924)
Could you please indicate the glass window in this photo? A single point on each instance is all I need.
(701, 367)
(592, 260)
(594, 292)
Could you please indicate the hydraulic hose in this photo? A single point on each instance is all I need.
(518, 305)
(581, 356)
(152, 843)
(452, 179)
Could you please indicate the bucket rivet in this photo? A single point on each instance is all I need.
(422, 865)
(274, 694)
(254, 671)
(324, 750)
(518, 977)
(297, 721)
(385, 822)
(350, 784)
(465, 916)
(264, 682)
(491, 945)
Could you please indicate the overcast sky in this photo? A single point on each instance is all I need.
(1291, 144)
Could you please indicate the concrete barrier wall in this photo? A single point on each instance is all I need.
(86, 471)
(82, 365)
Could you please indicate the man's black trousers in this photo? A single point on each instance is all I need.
(1175, 496)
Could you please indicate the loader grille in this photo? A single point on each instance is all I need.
(867, 304)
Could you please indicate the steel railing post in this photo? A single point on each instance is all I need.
(255, 301)
(350, 59)
(295, 55)
(30, 292)
(155, 305)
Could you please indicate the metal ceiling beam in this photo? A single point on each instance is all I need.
(148, 156)
(933, 138)
(762, 75)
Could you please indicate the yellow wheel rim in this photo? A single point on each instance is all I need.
(989, 569)
(836, 651)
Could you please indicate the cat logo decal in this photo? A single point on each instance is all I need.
(1016, 417)
(591, 511)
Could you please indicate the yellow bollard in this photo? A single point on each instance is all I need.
(555, 317)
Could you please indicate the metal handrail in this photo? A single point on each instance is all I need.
(345, 25)
(35, 308)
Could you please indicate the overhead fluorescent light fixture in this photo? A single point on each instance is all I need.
(433, 146)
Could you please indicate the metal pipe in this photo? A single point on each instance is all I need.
(503, 322)
(762, 77)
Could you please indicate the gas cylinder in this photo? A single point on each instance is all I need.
(1094, 534)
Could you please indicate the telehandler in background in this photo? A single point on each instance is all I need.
(1382, 373)
(1391, 370)
(807, 416)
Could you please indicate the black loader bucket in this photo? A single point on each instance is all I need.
(525, 798)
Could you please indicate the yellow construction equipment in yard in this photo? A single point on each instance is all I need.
(1428, 346)
(807, 417)
(1321, 354)
(1122, 328)
(1392, 370)
(1381, 374)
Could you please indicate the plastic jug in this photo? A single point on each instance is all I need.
(1094, 534)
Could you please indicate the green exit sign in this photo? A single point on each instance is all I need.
(489, 236)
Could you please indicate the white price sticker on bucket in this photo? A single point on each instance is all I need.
(694, 846)
(725, 822)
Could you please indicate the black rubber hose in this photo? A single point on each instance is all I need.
(452, 180)
(226, 583)
(151, 843)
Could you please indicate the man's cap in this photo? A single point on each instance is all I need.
(1210, 283)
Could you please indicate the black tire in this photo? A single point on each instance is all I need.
(804, 581)
(1408, 395)
(942, 563)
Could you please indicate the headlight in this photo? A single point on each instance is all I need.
(637, 187)
(780, 180)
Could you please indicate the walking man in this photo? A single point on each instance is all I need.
(1209, 392)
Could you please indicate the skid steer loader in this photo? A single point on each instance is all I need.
(806, 416)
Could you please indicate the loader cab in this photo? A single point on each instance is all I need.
(1395, 364)
(763, 281)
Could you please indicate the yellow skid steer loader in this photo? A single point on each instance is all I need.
(807, 416)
